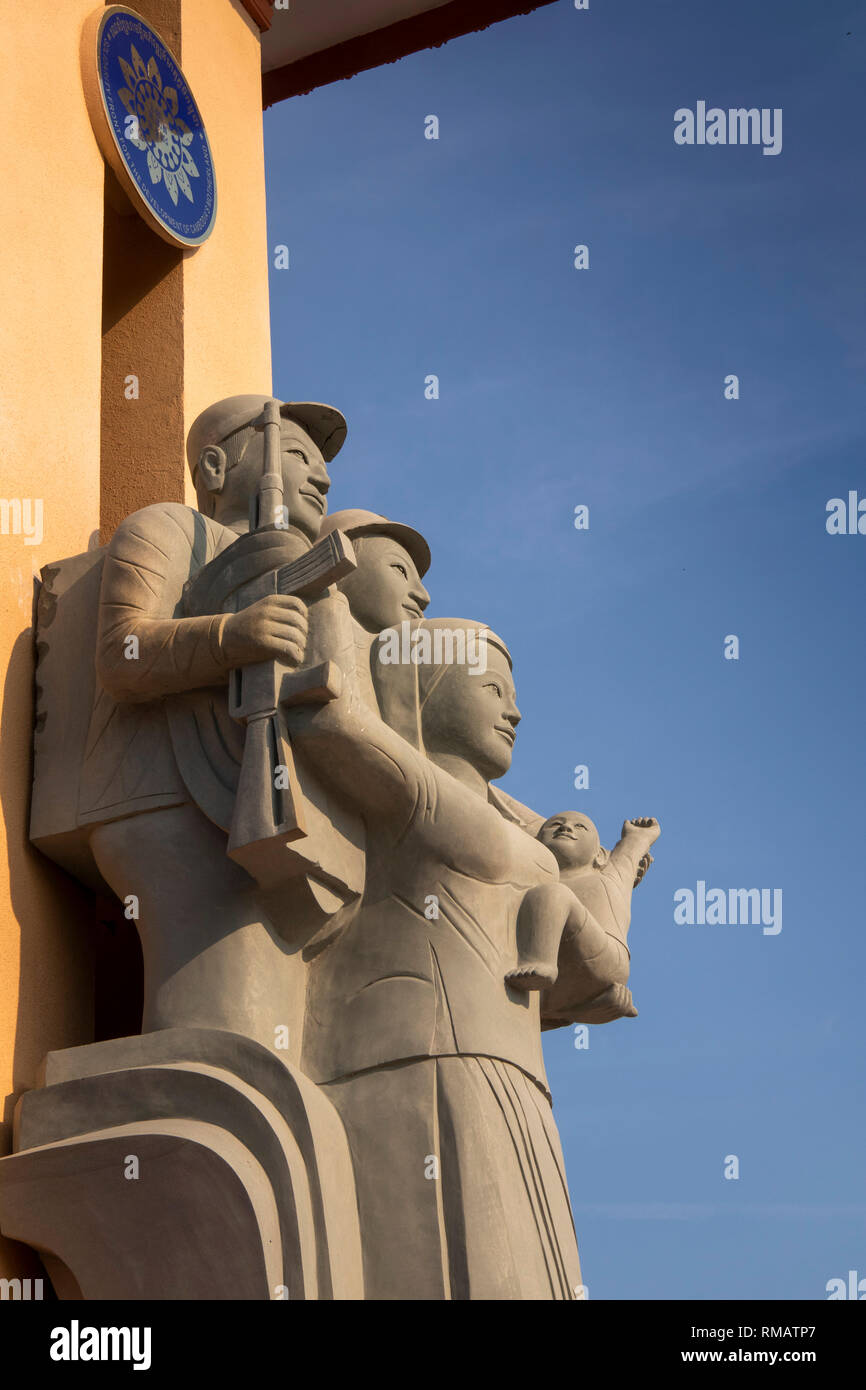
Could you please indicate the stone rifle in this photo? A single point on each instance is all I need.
(269, 810)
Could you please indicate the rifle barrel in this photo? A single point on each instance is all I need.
(270, 489)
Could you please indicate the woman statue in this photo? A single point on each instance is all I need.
(433, 1061)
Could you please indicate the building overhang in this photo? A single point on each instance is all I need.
(311, 44)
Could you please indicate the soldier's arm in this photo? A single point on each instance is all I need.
(144, 651)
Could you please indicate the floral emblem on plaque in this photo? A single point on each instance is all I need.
(158, 131)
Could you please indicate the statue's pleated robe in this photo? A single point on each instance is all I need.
(460, 1181)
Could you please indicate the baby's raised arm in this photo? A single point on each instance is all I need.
(630, 855)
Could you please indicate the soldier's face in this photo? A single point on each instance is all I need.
(385, 588)
(304, 473)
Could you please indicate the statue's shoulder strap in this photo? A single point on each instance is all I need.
(66, 620)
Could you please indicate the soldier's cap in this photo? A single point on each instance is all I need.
(323, 423)
(355, 522)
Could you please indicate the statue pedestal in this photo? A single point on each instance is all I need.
(183, 1164)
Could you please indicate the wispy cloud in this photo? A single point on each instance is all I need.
(703, 1211)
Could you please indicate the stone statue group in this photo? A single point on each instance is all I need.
(319, 863)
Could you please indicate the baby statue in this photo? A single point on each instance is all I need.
(592, 901)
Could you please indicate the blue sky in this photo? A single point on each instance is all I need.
(604, 387)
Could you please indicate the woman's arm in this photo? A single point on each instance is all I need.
(347, 744)
(362, 758)
(593, 973)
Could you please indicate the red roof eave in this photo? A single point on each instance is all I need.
(428, 30)
(260, 11)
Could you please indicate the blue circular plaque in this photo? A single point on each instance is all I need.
(149, 127)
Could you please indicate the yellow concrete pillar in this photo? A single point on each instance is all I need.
(191, 326)
(51, 173)
(227, 344)
(85, 294)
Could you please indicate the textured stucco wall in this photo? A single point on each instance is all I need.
(227, 324)
(51, 174)
(192, 325)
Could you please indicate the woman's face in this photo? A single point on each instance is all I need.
(385, 588)
(474, 716)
